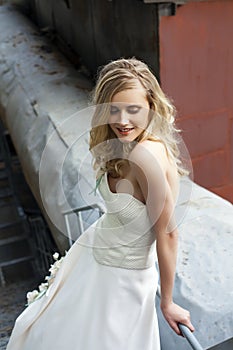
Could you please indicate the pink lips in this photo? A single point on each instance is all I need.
(124, 131)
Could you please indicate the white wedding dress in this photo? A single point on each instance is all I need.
(103, 296)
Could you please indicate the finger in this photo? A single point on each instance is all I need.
(191, 327)
(176, 329)
(188, 323)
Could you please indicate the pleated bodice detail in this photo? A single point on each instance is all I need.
(123, 235)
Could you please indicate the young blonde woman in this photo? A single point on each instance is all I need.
(103, 296)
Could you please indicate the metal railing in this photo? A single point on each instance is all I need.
(42, 243)
(190, 337)
(78, 211)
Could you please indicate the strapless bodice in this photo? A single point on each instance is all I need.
(123, 235)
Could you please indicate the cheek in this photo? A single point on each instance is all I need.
(143, 120)
(112, 119)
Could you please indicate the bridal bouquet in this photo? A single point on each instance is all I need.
(37, 294)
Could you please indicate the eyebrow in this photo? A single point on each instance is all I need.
(134, 105)
(127, 104)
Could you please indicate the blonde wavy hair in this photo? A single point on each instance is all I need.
(117, 76)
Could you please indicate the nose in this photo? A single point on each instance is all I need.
(123, 117)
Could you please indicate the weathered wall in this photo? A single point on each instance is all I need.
(196, 56)
(101, 30)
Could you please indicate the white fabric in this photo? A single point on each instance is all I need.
(99, 301)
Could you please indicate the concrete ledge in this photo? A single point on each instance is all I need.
(39, 89)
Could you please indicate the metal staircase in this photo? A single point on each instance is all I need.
(15, 237)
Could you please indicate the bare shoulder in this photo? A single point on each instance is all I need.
(150, 162)
(150, 151)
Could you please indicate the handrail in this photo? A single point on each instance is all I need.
(190, 337)
(78, 211)
(87, 207)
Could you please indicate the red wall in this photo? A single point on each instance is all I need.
(196, 69)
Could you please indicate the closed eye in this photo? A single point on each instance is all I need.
(134, 109)
(114, 110)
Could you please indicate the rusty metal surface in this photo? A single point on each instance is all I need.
(197, 71)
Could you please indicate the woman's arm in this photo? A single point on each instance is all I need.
(167, 243)
(149, 162)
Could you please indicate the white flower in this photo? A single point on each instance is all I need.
(53, 270)
(58, 263)
(43, 287)
(56, 256)
(35, 294)
(31, 296)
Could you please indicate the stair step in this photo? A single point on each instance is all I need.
(6, 192)
(11, 212)
(15, 230)
(6, 201)
(16, 261)
(3, 174)
(11, 223)
(13, 239)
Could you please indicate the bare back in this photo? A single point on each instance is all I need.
(128, 182)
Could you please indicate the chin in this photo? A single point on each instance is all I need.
(126, 140)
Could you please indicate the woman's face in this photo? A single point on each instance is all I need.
(129, 113)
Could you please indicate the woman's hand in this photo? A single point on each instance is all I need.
(175, 314)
